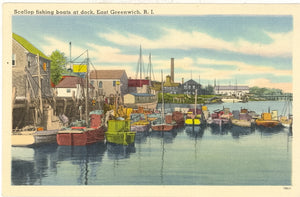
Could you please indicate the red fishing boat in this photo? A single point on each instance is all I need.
(166, 123)
(79, 135)
(162, 127)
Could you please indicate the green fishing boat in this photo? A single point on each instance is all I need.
(118, 132)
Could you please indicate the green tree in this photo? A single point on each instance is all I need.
(58, 62)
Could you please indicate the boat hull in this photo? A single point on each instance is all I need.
(32, 138)
(140, 128)
(192, 122)
(80, 137)
(267, 123)
(122, 138)
(241, 123)
(162, 127)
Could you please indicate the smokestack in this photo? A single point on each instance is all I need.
(172, 69)
(182, 80)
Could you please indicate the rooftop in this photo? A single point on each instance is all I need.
(233, 87)
(107, 74)
(28, 46)
(70, 82)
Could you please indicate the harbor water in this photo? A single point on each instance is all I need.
(185, 156)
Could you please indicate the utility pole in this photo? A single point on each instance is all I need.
(39, 83)
(70, 56)
(87, 91)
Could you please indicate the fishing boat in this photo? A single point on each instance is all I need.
(241, 118)
(90, 131)
(139, 123)
(286, 118)
(118, 132)
(79, 134)
(220, 118)
(34, 137)
(193, 117)
(268, 120)
(178, 118)
(163, 125)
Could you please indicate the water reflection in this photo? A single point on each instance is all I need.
(77, 154)
(33, 164)
(119, 151)
(141, 137)
(43, 160)
(215, 130)
(238, 132)
(23, 172)
(167, 137)
(269, 131)
(194, 132)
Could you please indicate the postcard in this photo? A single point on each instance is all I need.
(150, 99)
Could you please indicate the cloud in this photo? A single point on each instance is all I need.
(53, 44)
(261, 82)
(107, 54)
(241, 68)
(281, 45)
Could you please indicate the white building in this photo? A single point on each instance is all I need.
(235, 90)
(70, 86)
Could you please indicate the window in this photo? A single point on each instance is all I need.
(45, 66)
(100, 84)
(13, 59)
(68, 90)
(114, 83)
(28, 61)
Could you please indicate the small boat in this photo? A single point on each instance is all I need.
(220, 118)
(33, 138)
(286, 119)
(194, 116)
(78, 134)
(163, 125)
(178, 118)
(118, 132)
(192, 119)
(267, 120)
(139, 123)
(241, 118)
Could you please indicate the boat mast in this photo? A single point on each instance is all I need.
(140, 65)
(87, 90)
(162, 99)
(195, 101)
(149, 68)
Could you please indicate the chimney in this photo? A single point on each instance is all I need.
(172, 69)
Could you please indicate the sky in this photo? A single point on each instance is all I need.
(247, 50)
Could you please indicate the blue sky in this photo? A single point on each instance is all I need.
(249, 50)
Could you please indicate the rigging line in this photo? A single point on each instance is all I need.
(39, 87)
(80, 55)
